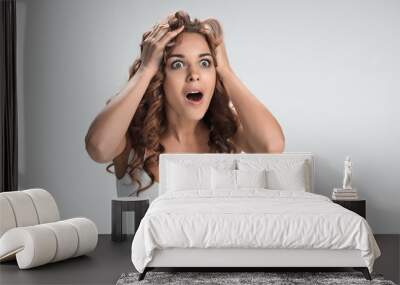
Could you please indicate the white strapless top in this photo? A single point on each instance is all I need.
(125, 186)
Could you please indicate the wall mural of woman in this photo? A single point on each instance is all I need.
(182, 96)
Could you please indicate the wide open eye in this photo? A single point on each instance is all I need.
(176, 63)
(208, 62)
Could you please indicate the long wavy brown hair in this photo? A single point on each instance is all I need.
(149, 121)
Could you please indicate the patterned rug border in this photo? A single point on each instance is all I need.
(273, 278)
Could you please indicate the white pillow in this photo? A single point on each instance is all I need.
(223, 179)
(181, 177)
(282, 174)
(287, 179)
(229, 179)
(251, 178)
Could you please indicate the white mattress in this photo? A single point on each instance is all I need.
(250, 218)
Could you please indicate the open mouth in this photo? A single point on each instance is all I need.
(194, 97)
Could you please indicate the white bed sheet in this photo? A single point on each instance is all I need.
(250, 218)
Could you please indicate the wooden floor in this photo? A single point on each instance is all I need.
(111, 259)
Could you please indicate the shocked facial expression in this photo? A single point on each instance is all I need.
(190, 76)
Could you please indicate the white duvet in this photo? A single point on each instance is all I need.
(250, 218)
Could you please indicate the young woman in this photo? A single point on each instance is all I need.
(182, 96)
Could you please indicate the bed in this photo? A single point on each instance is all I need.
(244, 211)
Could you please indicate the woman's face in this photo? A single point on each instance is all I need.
(189, 68)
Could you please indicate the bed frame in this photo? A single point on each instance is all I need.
(247, 259)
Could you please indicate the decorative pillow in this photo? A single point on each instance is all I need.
(282, 174)
(251, 178)
(223, 179)
(181, 178)
(287, 179)
(228, 179)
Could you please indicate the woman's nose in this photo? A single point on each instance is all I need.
(193, 75)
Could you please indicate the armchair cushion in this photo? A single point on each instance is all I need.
(46, 243)
(27, 208)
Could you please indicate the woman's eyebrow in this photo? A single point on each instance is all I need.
(182, 56)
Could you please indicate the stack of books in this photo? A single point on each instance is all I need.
(344, 194)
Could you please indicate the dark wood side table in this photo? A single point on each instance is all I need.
(357, 206)
(120, 205)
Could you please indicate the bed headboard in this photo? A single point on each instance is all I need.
(216, 158)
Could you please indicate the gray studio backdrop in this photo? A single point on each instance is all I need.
(328, 70)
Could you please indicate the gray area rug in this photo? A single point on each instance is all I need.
(284, 278)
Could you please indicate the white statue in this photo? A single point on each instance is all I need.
(347, 174)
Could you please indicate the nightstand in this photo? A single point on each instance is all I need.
(120, 205)
(357, 206)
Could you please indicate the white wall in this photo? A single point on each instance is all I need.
(328, 70)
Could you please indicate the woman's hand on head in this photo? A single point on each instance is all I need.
(153, 46)
(221, 57)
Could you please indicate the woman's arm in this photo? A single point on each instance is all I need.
(105, 138)
(259, 131)
(106, 135)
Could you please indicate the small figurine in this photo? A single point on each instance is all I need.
(347, 174)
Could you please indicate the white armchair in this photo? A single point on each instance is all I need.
(31, 231)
